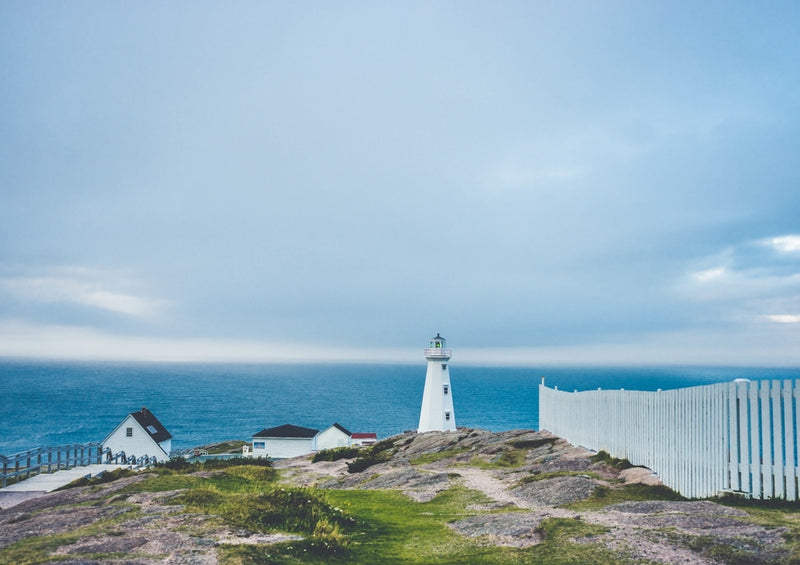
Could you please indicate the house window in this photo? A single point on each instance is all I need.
(259, 445)
(446, 389)
(151, 429)
(447, 416)
(444, 366)
(128, 432)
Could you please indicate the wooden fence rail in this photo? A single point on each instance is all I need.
(48, 459)
(702, 441)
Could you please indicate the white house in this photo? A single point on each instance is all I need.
(363, 439)
(282, 442)
(140, 434)
(335, 436)
(287, 441)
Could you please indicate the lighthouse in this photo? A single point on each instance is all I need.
(437, 399)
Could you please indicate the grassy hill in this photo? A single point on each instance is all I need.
(465, 497)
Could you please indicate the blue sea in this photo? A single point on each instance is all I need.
(59, 403)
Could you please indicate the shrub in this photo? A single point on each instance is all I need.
(175, 464)
(378, 453)
(367, 461)
(383, 445)
(335, 454)
(605, 457)
(533, 443)
(210, 464)
(286, 509)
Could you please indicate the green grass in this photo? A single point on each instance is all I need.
(553, 474)
(559, 546)
(507, 459)
(605, 457)
(439, 455)
(163, 482)
(391, 528)
(606, 495)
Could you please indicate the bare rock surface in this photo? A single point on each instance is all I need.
(513, 529)
(639, 475)
(558, 490)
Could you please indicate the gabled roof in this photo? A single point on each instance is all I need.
(368, 435)
(342, 429)
(151, 425)
(287, 430)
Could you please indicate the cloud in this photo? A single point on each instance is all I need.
(709, 275)
(103, 290)
(751, 278)
(784, 318)
(738, 347)
(49, 341)
(785, 243)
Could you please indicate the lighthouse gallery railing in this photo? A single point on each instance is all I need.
(702, 441)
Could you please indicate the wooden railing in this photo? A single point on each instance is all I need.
(48, 459)
(25, 464)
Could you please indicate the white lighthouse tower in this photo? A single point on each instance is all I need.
(437, 398)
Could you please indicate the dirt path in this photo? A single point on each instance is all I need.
(481, 480)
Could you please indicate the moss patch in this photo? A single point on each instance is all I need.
(606, 495)
(438, 456)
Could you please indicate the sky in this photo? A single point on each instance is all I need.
(540, 182)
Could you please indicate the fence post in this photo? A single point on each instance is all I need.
(790, 441)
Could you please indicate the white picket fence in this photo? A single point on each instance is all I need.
(702, 441)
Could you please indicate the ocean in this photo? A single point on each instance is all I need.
(49, 403)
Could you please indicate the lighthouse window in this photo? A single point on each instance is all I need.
(447, 416)
(446, 389)
(444, 366)
(128, 432)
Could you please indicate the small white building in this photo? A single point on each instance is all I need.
(363, 439)
(140, 434)
(335, 436)
(287, 441)
(282, 442)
